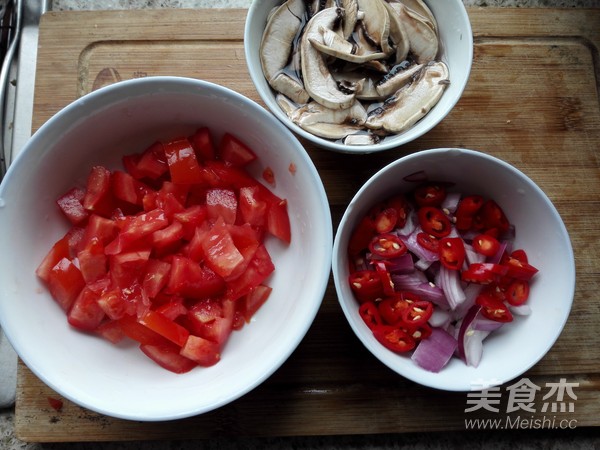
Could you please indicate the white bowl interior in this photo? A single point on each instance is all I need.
(518, 345)
(98, 129)
(457, 51)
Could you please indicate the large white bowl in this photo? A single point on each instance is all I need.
(456, 50)
(98, 129)
(519, 345)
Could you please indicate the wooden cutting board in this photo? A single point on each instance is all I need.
(532, 100)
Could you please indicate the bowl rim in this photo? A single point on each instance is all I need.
(338, 260)
(117, 93)
(402, 139)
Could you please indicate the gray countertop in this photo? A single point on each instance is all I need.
(579, 438)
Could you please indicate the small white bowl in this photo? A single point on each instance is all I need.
(520, 344)
(99, 128)
(456, 51)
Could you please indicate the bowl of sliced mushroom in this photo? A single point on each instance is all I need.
(359, 76)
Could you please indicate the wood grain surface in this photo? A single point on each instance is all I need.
(532, 100)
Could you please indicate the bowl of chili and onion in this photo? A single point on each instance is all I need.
(468, 336)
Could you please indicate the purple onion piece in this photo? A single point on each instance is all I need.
(433, 353)
(450, 203)
(451, 285)
(521, 310)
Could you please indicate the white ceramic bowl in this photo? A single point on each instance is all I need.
(98, 129)
(456, 51)
(512, 350)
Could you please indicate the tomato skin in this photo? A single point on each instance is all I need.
(434, 221)
(394, 338)
(366, 285)
(452, 252)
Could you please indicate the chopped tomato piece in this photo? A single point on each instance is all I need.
(278, 221)
(98, 194)
(203, 144)
(222, 203)
(182, 161)
(254, 299)
(165, 327)
(202, 351)
(252, 208)
(65, 282)
(188, 279)
(168, 357)
(85, 313)
(59, 250)
(71, 204)
(153, 162)
(235, 152)
(126, 188)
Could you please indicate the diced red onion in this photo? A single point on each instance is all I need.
(440, 318)
(433, 353)
(521, 310)
(470, 338)
(450, 203)
(417, 283)
(409, 226)
(472, 256)
(451, 285)
(471, 292)
(401, 264)
(482, 324)
(413, 246)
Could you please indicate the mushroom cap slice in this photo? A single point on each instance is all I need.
(289, 87)
(335, 45)
(376, 23)
(424, 41)
(318, 81)
(397, 78)
(278, 38)
(333, 131)
(313, 113)
(419, 7)
(412, 102)
(398, 34)
(350, 17)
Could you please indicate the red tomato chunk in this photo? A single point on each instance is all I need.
(168, 252)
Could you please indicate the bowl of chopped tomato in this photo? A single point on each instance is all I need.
(166, 246)
(454, 269)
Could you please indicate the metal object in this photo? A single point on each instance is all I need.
(19, 21)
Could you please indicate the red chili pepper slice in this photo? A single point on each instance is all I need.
(493, 309)
(417, 313)
(387, 246)
(492, 216)
(427, 241)
(452, 252)
(361, 236)
(430, 194)
(483, 273)
(399, 203)
(420, 332)
(366, 285)
(386, 279)
(466, 210)
(370, 315)
(518, 269)
(394, 338)
(384, 219)
(520, 255)
(433, 221)
(391, 308)
(517, 292)
(485, 244)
